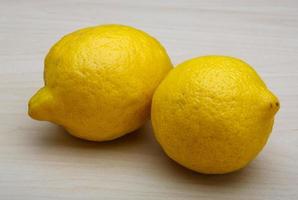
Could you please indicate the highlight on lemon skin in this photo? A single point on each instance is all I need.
(99, 81)
(213, 114)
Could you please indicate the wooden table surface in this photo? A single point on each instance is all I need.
(38, 160)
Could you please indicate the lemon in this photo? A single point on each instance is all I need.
(99, 81)
(213, 114)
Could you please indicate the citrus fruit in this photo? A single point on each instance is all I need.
(99, 81)
(213, 114)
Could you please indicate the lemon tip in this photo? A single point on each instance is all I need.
(40, 105)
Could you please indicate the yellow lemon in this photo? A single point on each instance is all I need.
(99, 81)
(213, 114)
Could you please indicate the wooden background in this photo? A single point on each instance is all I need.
(38, 160)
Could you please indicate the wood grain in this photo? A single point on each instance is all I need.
(38, 160)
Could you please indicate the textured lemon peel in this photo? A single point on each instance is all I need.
(213, 114)
(99, 81)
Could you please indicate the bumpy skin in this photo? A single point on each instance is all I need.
(99, 81)
(213, 114)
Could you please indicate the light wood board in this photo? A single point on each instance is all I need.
(38, 160)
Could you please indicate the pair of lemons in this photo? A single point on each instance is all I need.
(212, 114)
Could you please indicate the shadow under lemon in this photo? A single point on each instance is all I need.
(139, 146)
(59, 137)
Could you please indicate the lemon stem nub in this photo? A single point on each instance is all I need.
(275, 106)
(40, 105)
